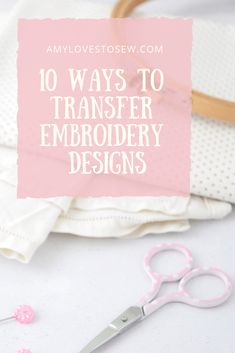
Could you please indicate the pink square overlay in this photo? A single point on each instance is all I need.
(104, 107)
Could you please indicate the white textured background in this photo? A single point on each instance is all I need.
(78, 285)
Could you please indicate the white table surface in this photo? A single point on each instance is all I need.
(78, 285)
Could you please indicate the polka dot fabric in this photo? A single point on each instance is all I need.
(213, 159)
(213, 59)
(8, 89)
(213, 142)
(213, 72)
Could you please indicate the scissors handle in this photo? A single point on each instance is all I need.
(157, 279)
(182, 296)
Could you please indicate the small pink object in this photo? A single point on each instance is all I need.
(25, 315)
(24, 351)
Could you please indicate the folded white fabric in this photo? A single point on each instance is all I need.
(135, 217)
(25, 224)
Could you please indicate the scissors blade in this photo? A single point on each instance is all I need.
(121, 323)
(106, 335)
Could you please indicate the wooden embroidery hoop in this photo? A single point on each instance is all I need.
(202, 104)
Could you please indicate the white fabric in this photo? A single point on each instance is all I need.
(213, 158)
(213, 142)
(25, 224)
(213, 59)
(167, 215)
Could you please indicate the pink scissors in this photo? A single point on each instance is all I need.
(150, 302)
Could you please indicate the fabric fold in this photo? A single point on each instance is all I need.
(25, 225)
